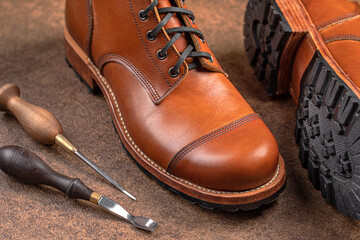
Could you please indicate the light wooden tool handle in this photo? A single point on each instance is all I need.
(36, 121)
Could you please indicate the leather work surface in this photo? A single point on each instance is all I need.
(32, 56)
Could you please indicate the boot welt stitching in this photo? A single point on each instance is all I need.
(104, 81)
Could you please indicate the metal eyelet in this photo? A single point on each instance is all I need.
(211, 60)
(172, 74)
(149, 37)
(143, 18)
(160, 56)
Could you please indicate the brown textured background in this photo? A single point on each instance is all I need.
(32, 56)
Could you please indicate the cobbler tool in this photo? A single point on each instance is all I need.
(43, 126)
(27, 167)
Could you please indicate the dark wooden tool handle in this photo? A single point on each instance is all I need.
(36, 121)
(27, 167)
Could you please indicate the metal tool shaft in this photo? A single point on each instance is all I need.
(67, 145)
(102, 173)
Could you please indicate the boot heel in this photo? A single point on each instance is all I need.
(80, 62)
(271, 40)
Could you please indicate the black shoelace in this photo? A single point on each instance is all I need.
(189, 51)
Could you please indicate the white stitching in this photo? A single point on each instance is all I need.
(104, 81)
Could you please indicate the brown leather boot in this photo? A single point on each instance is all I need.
(172, 104)
(312, 50)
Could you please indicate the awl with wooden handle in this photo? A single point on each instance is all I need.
(43, 126)
(27, 167)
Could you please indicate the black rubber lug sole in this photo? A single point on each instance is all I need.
(328, 132)
(266, 34)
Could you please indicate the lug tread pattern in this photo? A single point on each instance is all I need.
(266, 34)
(327, 131)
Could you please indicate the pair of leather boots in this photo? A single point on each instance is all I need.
(187, 126)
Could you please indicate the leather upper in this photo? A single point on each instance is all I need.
(325, 12)
(343, 41)
(338, 22)
(196, 126)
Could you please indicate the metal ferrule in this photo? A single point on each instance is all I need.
(64, 143)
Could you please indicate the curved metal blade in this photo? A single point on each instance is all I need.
(140, 222)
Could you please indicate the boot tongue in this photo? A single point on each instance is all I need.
(182, 43)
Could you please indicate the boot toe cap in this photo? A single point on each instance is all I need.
(243, 158)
